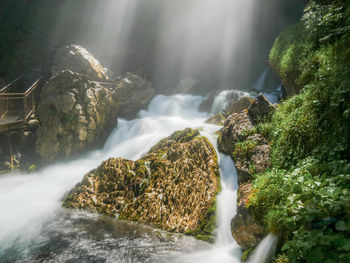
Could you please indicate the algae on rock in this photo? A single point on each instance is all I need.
(173, 187)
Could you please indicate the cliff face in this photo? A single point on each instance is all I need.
(173, 187)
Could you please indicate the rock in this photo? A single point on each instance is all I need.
(235, 129)
(77, 59)
(261, 107)
(240, 104)
(132, 94)
(247, 231)
(69, 105)
(217, 119)
(173, 187)
(186, 85)
(252, 156)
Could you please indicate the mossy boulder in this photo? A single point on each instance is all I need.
(173, 187)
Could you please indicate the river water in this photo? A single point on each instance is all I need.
(34, 227)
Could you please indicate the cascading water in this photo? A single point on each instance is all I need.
(265, 251)
(33, 225)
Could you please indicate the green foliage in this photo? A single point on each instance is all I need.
(305, 198)
(244, 148)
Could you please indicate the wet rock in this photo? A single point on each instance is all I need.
(240, 105)
(77, 59)
(247, 231)
(235, 129)
(132, 94)
(261, 107)
(173, 187)
(217, 119)
(69, 105)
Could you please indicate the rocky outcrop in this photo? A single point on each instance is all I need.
(75, 114)
(251, 154)
(77, 111)
(132, 93)
(77, 59)
(173, 187)
(260, 108)
(240, 105)
(245, 229)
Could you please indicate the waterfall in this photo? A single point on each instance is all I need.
(29, 202)
(265, 251)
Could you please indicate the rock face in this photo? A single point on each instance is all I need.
(173, 187)
(245, 229)
(75, 114)
(241, 104)
(77, 59)
(251, 154)
(132, 94)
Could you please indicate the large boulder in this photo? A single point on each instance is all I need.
(173, 187)
(77, 59)
(132, 94)
(75, 115)
(246, 230)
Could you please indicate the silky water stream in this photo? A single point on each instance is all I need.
(34, 227)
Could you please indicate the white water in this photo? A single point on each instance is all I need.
(265, 251)
(29, 201)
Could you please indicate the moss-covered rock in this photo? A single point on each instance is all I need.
(173, 187)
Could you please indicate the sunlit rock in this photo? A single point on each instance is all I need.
(173, 187)
(240, 104)
(75, 115)
(77, 59)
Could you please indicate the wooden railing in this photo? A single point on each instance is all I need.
(17, 103)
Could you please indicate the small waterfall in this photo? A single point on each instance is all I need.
(259, 85)
(272, 91)
(225, 98)
(265, 251)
